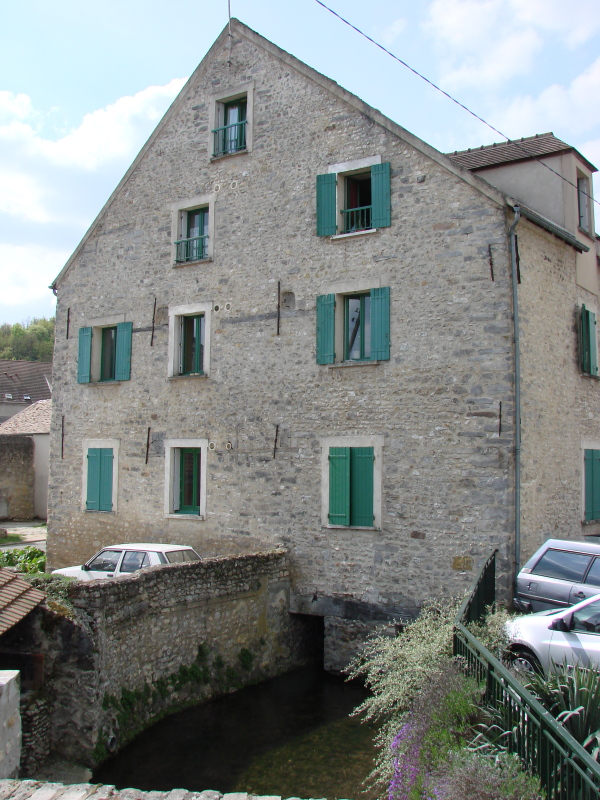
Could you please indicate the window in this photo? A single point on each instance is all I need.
(583, 203)
(189, 340)
(352, 481)
(99, 490)
(562, 565)
(230, 121)
(185, 477)
(104, 352)
(591, 469)
(354, 197)
(588, 342)
(353, 326)
(193, 246)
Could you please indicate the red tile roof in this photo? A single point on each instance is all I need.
(25, 379)
(17, 599)
(33, 419)
(530, 147)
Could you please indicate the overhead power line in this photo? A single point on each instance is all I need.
(454, 100)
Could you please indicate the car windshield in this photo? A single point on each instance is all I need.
(106, 561)
(179, 556)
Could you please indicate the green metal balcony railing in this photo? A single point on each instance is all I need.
(229, 138)
(356, 219)
(191, 249)
(565, 769)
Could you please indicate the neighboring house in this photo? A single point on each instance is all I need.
(293, 323)
(23, 383)
(24, 459)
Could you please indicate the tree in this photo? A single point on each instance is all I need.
(33, 340)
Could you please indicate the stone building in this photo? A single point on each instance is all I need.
(292, 324)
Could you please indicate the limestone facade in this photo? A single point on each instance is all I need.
(438, 413)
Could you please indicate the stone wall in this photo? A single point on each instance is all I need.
(16, 477)
(10, 724)
(164, 638)
(267, 406)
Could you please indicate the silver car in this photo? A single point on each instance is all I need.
(120, 560)
(569, 636)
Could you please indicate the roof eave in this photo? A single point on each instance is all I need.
(549, 226)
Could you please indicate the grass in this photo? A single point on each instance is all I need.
(11, 538)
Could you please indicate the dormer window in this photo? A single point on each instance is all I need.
(584, 204)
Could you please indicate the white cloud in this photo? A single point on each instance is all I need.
(114, 132)
(22, 196)
(27, 271)
(389, 34)
(15, 105)
(570, 109)
(484, 43)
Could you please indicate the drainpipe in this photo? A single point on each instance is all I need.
(513, 264)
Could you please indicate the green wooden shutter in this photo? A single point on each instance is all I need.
(84, 358)
(106, 479)
(588, 347)
(92, 501)
(361, 486)
(123, 355)
(593, 344)
(381, 216)
(592, 484)
(380, 324)
(325, 329)
(339, 485)
(326, 204)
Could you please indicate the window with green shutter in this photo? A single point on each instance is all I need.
(362, 203)
(104, 353)
(191, 342)
(361, 321)
(351, 486)
(592, 484)
(588, 342)
(99, 479)
(189, 481)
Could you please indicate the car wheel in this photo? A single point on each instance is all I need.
(526, 662)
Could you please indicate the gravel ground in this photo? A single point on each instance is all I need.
(33, 532)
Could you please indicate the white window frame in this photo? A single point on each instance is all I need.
(377, 443)
(179, 212)
(172, 448)
(175, 314)
(89, 444)
(347, 169)
(215, 115)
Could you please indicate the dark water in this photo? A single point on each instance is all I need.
(290, 736)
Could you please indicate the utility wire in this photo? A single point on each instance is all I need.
(454, 100)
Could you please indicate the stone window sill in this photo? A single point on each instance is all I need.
(350, 527)
(243, 152)
(354, 233)
(103, 383)
(193, 376)
(350, 364)
(179, 264)
(184, 516)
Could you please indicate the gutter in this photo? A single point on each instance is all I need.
(513, 265)
(552, 227)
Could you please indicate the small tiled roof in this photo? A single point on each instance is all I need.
(491, 155)
(25, 381)
(33, 419)
(17, 599)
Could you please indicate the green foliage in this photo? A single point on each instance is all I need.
(491, 631)
(572, 696)
(27, 559)
(32, 340)
(245, 658)
(56, 589)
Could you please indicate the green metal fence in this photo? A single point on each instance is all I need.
(566, 770)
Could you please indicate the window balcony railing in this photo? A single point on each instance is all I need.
(230, 138)
(356, 219)
(191, 249)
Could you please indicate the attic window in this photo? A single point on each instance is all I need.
(8, 396)
(26, 397)
(230, 133)
(583, 203)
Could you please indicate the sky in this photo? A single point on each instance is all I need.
(83, 84)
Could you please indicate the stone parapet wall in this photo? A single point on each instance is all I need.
(16, 477)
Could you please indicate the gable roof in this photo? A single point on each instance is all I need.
(17, 599)
(239, 29)
(33, 419)
(26, 381)
(524, 149)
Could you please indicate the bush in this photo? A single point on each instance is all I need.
(27, 559)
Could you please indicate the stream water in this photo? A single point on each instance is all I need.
(290, 736)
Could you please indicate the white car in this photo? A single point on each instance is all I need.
(120, 560)
(568, 636)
